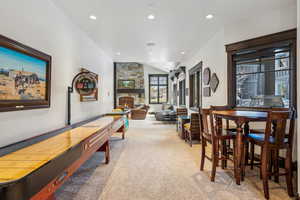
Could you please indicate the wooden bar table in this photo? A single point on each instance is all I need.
(240, 118)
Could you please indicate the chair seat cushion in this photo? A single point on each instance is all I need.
(187, 126)
(261, 138)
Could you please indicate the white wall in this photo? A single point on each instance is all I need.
(148, 69)
(41, 25)
(213, 53)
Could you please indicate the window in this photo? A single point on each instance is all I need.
(182, 92)
(263, 76)
(195, 86)
(158, 88)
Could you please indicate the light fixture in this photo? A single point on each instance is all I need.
(93, 17)
(150, 44)
(151, 17)
(182, 52)
(210, 16)
(118, 53)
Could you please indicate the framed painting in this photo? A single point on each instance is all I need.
(25, 77)
(126, 84)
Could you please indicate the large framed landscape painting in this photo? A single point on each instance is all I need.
(24, 77)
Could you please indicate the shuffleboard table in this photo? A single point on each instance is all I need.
(37, 171)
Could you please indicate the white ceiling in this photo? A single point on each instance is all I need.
(180, 25)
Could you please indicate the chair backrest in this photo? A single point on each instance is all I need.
(195, 125)
(276, 126)
(205, 120)
(126, 101)
(181, 111)
(220, 108)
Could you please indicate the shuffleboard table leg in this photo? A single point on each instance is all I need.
(106, 149)
(123, 132)
(107, 152)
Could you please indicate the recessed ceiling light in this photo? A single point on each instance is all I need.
(210, 16)
(93, 17)
(118, 53)
(150, 44)
(151, 17)
(182, 52)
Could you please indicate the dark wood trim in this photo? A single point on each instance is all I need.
(15, 105)
(263, 40)
(231, 78)
(195, 70)
(138, 91)
(183, 103)
(149, 85)
(255, 44)
(115, 84)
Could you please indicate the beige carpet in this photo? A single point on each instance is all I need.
(154, 164)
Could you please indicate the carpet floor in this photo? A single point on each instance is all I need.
(152, 163)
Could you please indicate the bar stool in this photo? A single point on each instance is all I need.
(192, 129)
(216, 135)
(273, 140)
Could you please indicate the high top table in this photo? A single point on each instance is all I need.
(240, 118)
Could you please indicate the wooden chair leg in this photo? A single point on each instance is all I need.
(276, 165)
(289, 172)
(202, 154)
(252, 154)
(226, 153)
(246, 153)
(270, 166)
(261, 157)
(246, 148)
(215, 156)
(234, 157)
(223, 152)
(191, 138)
(264, 169)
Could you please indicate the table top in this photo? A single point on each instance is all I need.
(20, 163)
(247, 115)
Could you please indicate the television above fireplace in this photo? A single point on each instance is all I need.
(126, 84)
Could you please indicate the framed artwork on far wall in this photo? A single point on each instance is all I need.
(25, 77)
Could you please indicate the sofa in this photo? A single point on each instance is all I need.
(166, 114)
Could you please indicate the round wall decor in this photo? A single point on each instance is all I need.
(86, 84)
(206, 76)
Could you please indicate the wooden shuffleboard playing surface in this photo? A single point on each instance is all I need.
(36, 171)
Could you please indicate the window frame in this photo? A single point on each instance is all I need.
(158, 85)
(267, 41)
(182, 99)
(192, 73)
